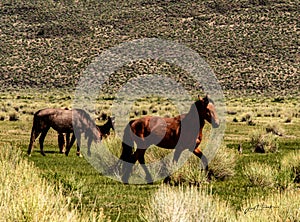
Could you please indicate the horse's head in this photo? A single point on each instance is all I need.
(111, 122)
(207, 111)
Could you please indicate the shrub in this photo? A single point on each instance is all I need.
(223, 164)
(275, 129)
(2, 117)
(13, 117)
(190, 173)
(288, 120)
(170, 204)
(260, 174)
(246, 118)
(263, 143)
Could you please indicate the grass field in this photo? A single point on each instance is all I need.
(128, 202)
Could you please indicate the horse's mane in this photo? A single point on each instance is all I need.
(90, 124)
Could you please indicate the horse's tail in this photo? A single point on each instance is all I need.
(35, 131)
(127, 144)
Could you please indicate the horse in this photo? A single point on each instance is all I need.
(180, 133)
(63, 121)
(104, 131)
(105, 128)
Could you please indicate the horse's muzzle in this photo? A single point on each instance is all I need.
(215, 124)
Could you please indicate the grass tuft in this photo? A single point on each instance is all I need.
(260, 174)
(263, 143)
(291, 163)
(25, 196)
(171, 204)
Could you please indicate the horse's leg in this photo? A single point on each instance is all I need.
(67, 140)
(197, 151)
(70, 144)
(127, 168)
(41, 140)
(78, 146)
(89, 146)
(34, 134)
(140, 156)
(177, 154)
(61, 142)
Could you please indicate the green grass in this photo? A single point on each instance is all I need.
(125, 202)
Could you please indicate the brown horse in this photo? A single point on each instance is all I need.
(179, 133)
(104, 131)
(63, 121)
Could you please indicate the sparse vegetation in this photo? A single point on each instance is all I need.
(238, 39)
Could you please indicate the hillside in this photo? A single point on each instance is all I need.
(251, 45)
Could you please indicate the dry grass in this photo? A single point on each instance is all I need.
(261, 174)
(24, 196)
(223, 164)
(279, 206)
(170, 204)
(291, 164)
(190, 173)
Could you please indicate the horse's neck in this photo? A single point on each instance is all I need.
(104, 128)
(192, 119)
(192, 125)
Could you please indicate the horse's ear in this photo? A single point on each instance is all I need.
(200, 98)
(206, 100)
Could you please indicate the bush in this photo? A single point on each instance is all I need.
(190, 173)
(170, 204)
(263, 143)
(275, 129)
(222, 166)
(13, 117)
(260, 174)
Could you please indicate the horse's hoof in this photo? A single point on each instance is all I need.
(43, 154)
(79, 154)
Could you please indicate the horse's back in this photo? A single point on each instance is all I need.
(163, 132)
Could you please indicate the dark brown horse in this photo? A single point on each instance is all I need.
(179, 133)
(104, 131)
(63, 121)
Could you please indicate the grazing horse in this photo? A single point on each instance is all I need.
(179, 133)
(104, 130)
(63, 121)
